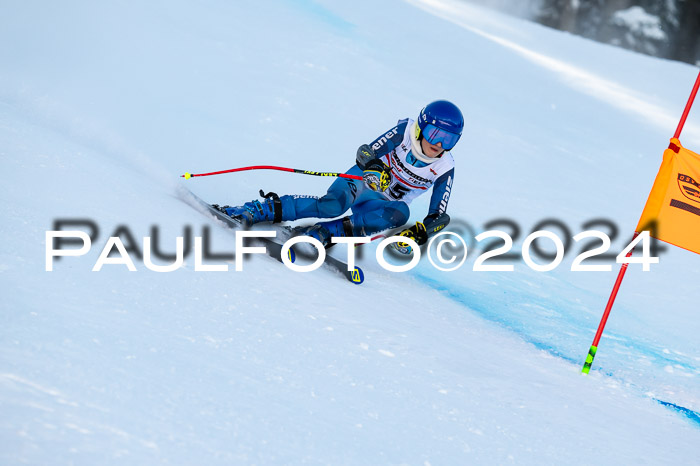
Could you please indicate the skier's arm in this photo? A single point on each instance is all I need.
(441, 193)
(437, 218)
(382, 145)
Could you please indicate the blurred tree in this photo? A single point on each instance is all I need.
(686, 43)
(663, 28)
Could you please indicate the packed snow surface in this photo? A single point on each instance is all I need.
(104, 105)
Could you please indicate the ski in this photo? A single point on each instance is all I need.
(273, 246)
(356, 275)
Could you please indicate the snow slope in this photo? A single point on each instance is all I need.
(102, 106)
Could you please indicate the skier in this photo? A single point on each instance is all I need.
(397, 167)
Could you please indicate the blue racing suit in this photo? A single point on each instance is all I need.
(412, 173)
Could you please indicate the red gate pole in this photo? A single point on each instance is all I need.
(594, 346)
(693, 93)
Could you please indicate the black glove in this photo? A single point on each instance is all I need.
(377, 175)
(435, 223)
(364, 154)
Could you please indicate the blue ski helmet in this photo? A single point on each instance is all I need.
(440, 121)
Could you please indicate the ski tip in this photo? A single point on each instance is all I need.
(357, 276)
(291, 255)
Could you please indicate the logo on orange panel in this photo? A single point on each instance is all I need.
(689, 187)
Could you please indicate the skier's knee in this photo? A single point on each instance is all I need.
(399, 214)
(332, 205)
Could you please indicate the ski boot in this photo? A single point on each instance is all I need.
(324, 232)
(250, 213)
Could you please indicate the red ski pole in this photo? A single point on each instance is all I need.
(187, 176)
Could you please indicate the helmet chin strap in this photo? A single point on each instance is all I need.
(416, 148)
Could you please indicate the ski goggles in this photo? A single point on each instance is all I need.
(433, 135)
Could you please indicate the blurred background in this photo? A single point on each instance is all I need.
(660, 28)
